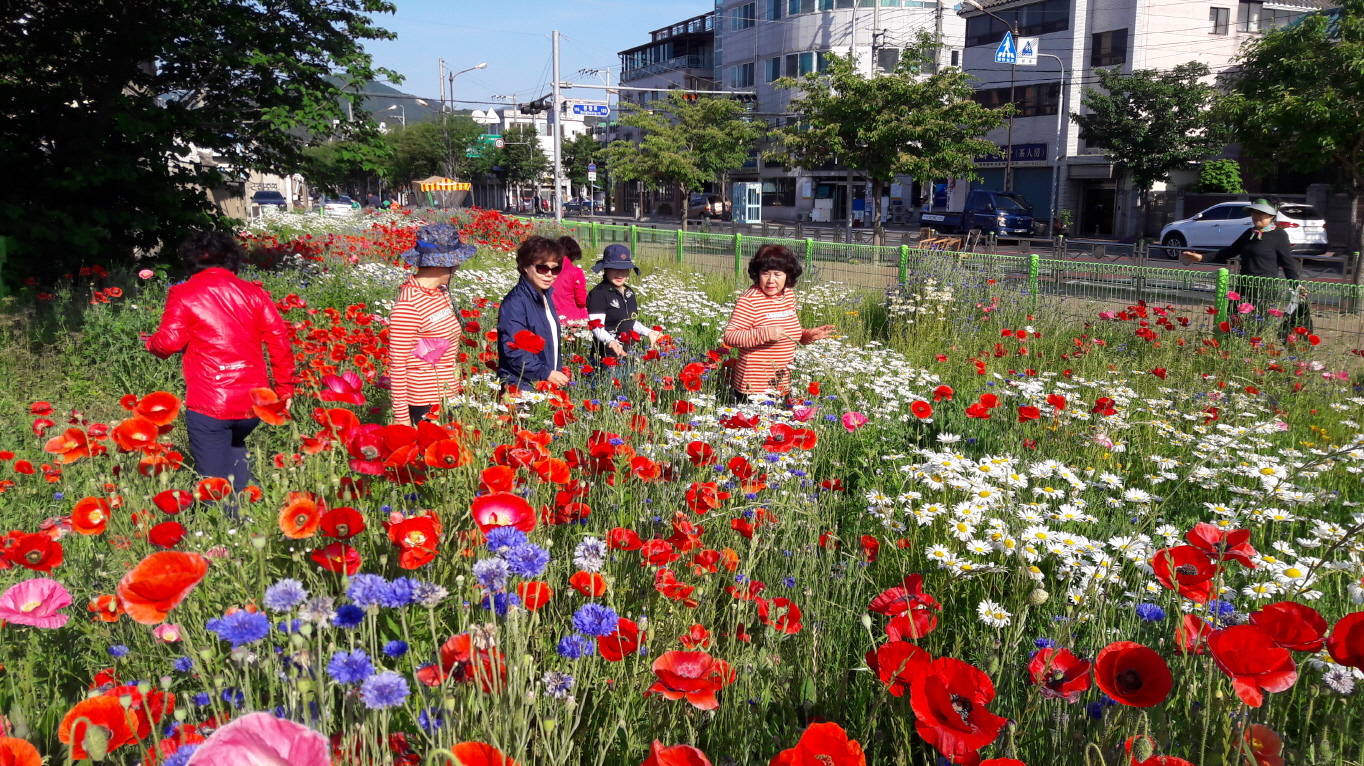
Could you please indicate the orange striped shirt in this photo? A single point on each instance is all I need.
(765, 330)
(421, 313)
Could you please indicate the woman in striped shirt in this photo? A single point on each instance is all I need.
(420, 378)
(765, 326)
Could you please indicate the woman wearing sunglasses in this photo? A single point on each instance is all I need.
(529, 308)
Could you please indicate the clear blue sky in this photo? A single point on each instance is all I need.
(513, 36)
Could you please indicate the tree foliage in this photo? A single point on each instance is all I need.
(1220, 177)
(109, 102)
(578, 153)
(521, 160)
(685, 143)
(905, 122)
(1152, 121)
(439, 146)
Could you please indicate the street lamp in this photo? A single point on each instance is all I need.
(451, 89)
(1060, 139)
(1013, 70)
(401, 115)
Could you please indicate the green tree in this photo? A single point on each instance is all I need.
(104, 99)
(1152, 121)
(685, 143)
(521, 159)
(579, 152)
(338, 166)
(439, 146)
(905, 122)
(1220, 177)
(1297, 96)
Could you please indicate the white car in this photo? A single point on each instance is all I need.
(338, 205)
(1220, 225)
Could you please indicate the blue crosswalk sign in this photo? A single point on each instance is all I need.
(1006, 53)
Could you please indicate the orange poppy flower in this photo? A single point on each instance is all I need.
(301, 515)
(212, 488)
(135, 434)
(105, 608)
(71, 446)
(447, 453)
(478, 754)
(18, 752)
(90, 516)
(159, 407)
(534, 594)
(337, 557)
(418, 538)
(589, 584)
(119, 725)
(269, 407)
(159, 583)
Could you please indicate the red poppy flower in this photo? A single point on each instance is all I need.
(502, 509)
(1187, 570)
(148, 709)
(1255, 663)
(1133, 674)
(1104, 406)
(826, 744)
(40, 408)
(447, 453)
(703, 496)
(658, 553)
(158, 407)
(105, 608)
(527, 341)
(788, 622)
(942, 392)
(267, 406)
(1265, 745)
(496, 478)
(1059, 674)
(342, 523)
(871, 547)
(1346, 643)
(1292, 625)
(589, 584)
(912, 608)
(1027, 412)
(693, 676)
(623, 539)
(534, 594)
(172, 501)
(90, 516)
(418, 537)
(978, 410)
(922, 410)
(897, 664)
(479, 754)
(949, 703)
(1191, 637)
(1057, 401)
(697, 637)
(462, 663)
(71, 446)
(167, 534)
(700, 454)
(212, 488)
(1220, 544)
(676, 755)
(159, 583)
(35, 551)
(135, 434)
(18, 752)
(119, 725)
(624, 641)
(337, 557)
(301, 515)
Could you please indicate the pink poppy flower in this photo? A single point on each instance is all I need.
(1232, 295)
(261, 738)
(167, 633)
(35, 603)
(1246, 308)
(1275, 313)
(853, 421)
(430, 350)
(803, 414)
(146, 274)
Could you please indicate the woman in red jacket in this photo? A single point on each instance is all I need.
(220, 323)
(570, 288)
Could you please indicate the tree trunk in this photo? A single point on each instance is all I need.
(876, 212)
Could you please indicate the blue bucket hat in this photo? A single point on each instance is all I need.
(615, 257)
(439, 244)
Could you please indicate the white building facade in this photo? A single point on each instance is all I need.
(498, 121)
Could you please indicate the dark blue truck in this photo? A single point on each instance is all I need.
(1003, 213)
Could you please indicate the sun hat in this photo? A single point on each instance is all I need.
(1261, 206)
(615, 257)
(439, 244)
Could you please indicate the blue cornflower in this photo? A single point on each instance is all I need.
(289, 626)
(789, 582)
(750, 496)
(590, 554)
(1220, 608)
(366, 589)
(1150, 612)
(503, 538)
(1096, 710)
(284, 595)
(58, 495)
(558, 684)
(395, 648)
(183, 664)
(240, 628)
(396, 594)
(1044, 643)
(181, 756)
(574, 646)
(616, 442)
(428, 594)
(501, 602)
(384, 690)
(527, 560)
(350, 667)
(233, 696)
(491, 574)
(201, 699)
(595, 620)
(348, 616)
(118, 651)
(431, 719)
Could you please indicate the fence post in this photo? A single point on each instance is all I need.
(1354, 280)
(1034, 272)
(592, 234)
(904, 263)
(1223, 285)
(634, 239)
(809, 253)
(738, 254)
(680, 235)
(4, 255)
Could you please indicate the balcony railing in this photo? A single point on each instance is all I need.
(694, 61)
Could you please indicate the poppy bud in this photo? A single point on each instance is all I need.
(96, 742)
(144, 687)
(548, 723)
(1038, 597)
(167, 682)
(1142, 749)
(866, 621)
(992, 665)
(126, 700)
(258, 541)
(205, 654)
(449, 704)
(306, 686)
(181, 714)
(298, 641)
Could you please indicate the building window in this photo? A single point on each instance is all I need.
(887, 59)
(1109, 48)
(1248, 17)
(774, 9)
(821, 61)
(744, 16)
(826, 5)
(719, 59)
(798, 64)
(956, 58)
(1033, 19)
(773, 69)
(1253, 17)
(1221, 20)
(741, 76)
(800, 6)
(779, 192)
(1031, 100)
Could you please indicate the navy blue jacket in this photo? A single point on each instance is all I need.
(524, 309)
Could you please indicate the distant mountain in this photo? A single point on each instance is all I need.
(380, 98)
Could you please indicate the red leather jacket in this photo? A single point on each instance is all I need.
(220, 321)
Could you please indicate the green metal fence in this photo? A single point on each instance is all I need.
(1251, 306)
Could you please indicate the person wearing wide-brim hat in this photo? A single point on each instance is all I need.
(418, 384)
(1264, 249)
(613, 310)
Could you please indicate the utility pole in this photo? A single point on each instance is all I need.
(441, 81)
(937, 39)
(557, 133)
(876, 35)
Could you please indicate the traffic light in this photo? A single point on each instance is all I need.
(746, 98)
(537, 106)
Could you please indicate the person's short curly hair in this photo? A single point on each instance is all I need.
(538, 249)
(572, 250)
(211, 249)
(775, 258)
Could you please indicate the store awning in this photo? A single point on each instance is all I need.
(440, 183)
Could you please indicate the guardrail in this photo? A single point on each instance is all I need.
(1080, 278)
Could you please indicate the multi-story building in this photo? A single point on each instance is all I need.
(1086, 35)
(497, 122)
(759, 41)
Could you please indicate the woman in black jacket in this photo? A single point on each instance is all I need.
(1264, 249)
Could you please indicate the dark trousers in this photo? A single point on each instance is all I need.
(219, 447)
(417, 412)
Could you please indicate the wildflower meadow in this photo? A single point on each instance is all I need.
(984, 531)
